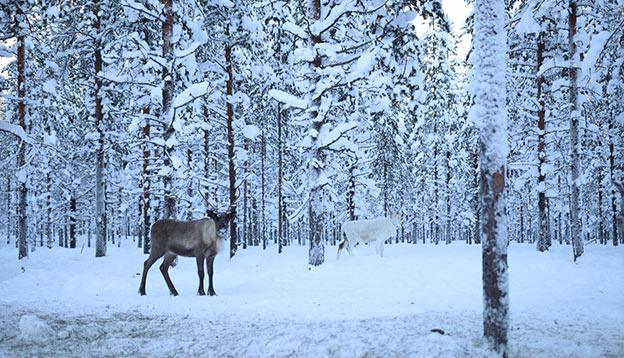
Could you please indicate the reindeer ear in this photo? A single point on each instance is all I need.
(212, 215)
(231, 214)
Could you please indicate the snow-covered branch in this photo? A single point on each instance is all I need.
(16, 130)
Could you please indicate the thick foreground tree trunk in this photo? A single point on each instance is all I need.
(316, 182)
(489, 108)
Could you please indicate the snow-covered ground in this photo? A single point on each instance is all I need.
(64, 303)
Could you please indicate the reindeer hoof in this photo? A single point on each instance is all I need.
(174, 293)
(201, 293)
(212, 293)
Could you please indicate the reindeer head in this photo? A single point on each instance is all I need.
(221, 220)
(395, 216)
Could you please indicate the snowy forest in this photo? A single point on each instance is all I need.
(302, 115)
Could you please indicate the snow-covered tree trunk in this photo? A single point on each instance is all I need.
(543, 233)
(614, 214)
(447, 218)
(146, 184)
(280, 162)
(575, 161)
(280, 178)
(8, 212)
(21, 155)
(100, 213)
(48, 223)
(229, 91)
(490, 113)
(263, 231)
(316, 176)
(167, 111)
(72, 222)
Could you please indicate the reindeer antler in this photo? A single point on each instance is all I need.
(233, 204)
(206, 200)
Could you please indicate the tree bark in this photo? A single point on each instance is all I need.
(543, 233)
(167, 110)
(447, 219)
(100, 214)
(614, 213)
(280, 177)
(72, 222)
(8, 212)
(263, 182)
(316, 183)
(477, 224)
(147, 185)
(21, 155)
(575, 162)
(230, 136)
(490, 53)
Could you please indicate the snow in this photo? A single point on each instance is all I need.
(189, 50)
(593, 54)
(32, 328)
(193, 92)
(15, 130)
(362, 67)
(288, 99)
(50, 86)
(272, 305)
(295, 29)
(251, 132)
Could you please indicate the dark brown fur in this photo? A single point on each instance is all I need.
(620, 217)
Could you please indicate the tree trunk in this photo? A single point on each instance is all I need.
(48, 224)
(246, 227)
(100, 214)
(436, 188)
(351, 191)
(21, 155)
(8, 212)
(575, 164)
(490, 53)
(280, 177)
(543, 234)
(230, 136)
(614, 213)
(263, 182)
(72, 222)
(316, 182)
(447, 219)
(167, 110)
(147, 185)
(477, 226)
(280, 169)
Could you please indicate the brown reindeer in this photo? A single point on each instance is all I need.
(619, 219)
(202, 239)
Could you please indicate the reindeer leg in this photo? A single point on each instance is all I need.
(164, 268)
(380, 247)
(209, 265)
(200, 273)
(340, 247)
(146, 266)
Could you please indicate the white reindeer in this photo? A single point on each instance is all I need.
(379, 230)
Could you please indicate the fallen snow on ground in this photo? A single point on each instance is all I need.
(67, 303)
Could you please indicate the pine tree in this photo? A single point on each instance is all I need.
(489, 111)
